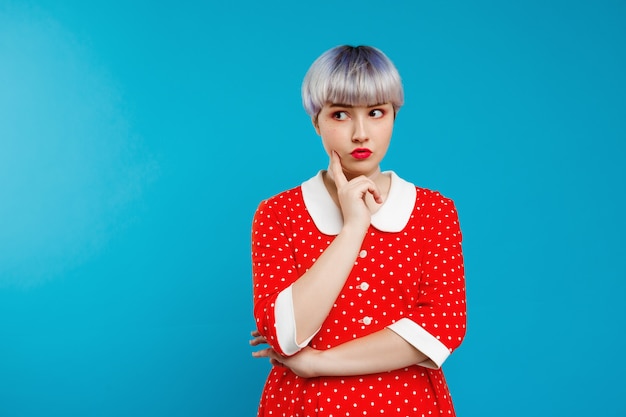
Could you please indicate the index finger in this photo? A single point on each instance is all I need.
(337, 170)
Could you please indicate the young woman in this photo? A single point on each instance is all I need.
(359, 285)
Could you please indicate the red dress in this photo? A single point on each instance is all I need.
(408, 277)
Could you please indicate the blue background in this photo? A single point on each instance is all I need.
(137, 138)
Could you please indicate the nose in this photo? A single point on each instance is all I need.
(360, 132)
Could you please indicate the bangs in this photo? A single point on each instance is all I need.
(359, 87)
(355, 76)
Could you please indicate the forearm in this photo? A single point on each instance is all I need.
(378, 352)
(315, 292)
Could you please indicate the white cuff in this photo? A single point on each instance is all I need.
(286, 324)
(423, 341)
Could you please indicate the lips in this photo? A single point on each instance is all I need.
(361, 153)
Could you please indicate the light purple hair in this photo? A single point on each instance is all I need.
(352, 75)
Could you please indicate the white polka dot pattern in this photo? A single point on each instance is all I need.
(416, 273)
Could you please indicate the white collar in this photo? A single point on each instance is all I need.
(392, 216)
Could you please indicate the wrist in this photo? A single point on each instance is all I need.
(310, 364)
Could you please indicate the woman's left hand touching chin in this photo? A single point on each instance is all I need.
(302, 363)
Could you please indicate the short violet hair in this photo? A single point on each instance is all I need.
(352, 75)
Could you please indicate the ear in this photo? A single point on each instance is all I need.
(315, 125)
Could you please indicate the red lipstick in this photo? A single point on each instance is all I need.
(361, 153)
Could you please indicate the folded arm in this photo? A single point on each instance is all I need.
(378, 352)
(425, 336)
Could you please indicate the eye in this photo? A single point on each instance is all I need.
(340, 115)
(377, 113)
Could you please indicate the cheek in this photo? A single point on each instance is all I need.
(386, 131)
(325, 142)
(329, 136)
(328, 147)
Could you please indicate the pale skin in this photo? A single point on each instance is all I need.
(358, 187)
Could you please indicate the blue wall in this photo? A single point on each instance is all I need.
(137, 139)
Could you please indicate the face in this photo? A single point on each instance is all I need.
(359, 134)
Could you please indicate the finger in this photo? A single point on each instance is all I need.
(337, 170)
(276, 359)
(366, 185)
(258, 341)
(257, 338)
(263, 353)
(373, 189)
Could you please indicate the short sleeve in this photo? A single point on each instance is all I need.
(436, 324)
(273, 267)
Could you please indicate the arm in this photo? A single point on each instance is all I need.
(381, 351)
(435, 325)
(427, 335)
(313, 294)
(437, 322)
(316, 291)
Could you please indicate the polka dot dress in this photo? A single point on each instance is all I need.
(416, 273)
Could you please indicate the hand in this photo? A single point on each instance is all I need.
(301, 364)
(263, 353)
(352, 194)
(257, 338)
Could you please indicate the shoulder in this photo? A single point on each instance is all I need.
(288, 199)
(437, 214)
(432, 197)
(277, 212)
(295, 198)
(432, 203)
(423, 196)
